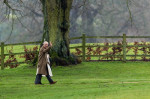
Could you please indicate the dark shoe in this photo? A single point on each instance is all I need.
(53, 82)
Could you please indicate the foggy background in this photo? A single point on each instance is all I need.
(92, 17)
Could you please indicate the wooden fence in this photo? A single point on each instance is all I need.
(83, 47)
(123, 46)
(2, 55)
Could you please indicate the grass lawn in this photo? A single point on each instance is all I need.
(88, 80)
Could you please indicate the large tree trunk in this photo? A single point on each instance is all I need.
(56, 26)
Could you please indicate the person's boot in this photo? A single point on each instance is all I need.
(53, 82)
(50, 80)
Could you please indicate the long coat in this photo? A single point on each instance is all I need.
(42, 60)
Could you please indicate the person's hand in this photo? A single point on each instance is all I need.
(50, 43)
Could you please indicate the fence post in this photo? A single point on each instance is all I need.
(83, 46)
(2, 55)
(124, 47)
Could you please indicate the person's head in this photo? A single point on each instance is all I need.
(45, 44)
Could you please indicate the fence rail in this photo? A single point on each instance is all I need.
(124, 46)
(20, 53)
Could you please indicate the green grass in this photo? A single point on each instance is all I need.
(17, 48)
(88, 80)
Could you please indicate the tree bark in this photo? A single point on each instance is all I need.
(56, 26)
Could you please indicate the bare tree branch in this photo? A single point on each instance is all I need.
(129, 11)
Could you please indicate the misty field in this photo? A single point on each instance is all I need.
(88, 80)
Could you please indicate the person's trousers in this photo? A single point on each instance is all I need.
(39, 77)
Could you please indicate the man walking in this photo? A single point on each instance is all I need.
(43, 61)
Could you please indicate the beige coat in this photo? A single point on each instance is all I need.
(42, 60)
